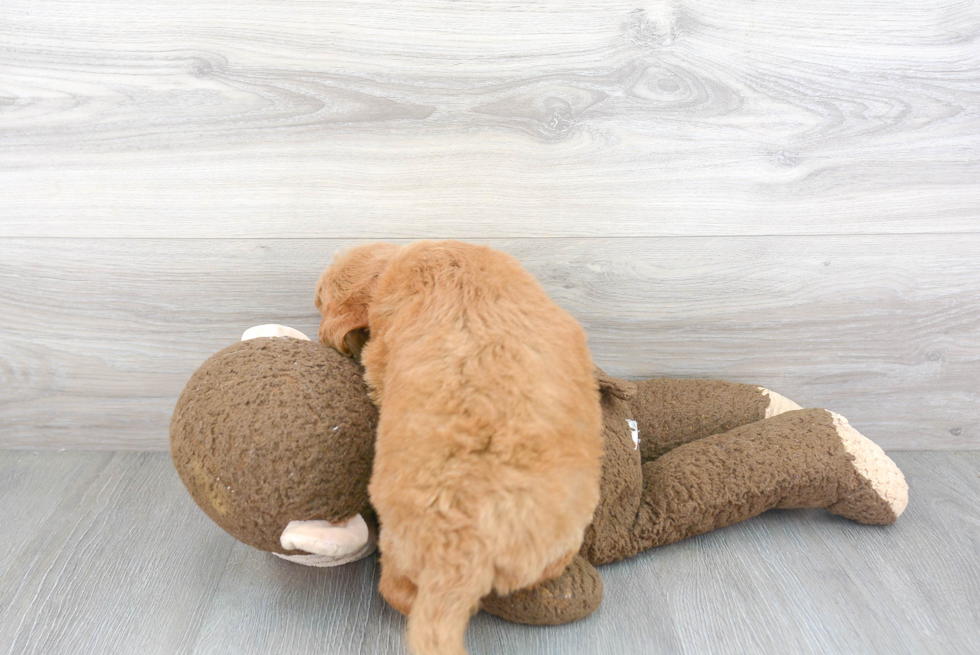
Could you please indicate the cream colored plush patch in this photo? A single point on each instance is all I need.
(778, 404)
(329, 544)
(273, 330)
(324, 561)
(874, 465)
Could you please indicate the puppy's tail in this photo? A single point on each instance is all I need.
(447, 597)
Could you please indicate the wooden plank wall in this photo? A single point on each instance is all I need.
(779, 193)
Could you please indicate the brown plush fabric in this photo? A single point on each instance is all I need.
(271, 430)
(621, 488)
(573, 596)
(795, 459)
(253, 439)
(671, 413)
(859, 502)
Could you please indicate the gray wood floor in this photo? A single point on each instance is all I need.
(104, 552)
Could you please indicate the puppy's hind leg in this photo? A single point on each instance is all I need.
(396, 587)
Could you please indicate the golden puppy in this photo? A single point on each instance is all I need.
(487, 465)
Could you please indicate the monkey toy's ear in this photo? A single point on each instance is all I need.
(622, 389)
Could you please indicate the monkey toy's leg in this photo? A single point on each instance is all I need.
(572, 596)
(670, 413)
(801, 458)
(667, 413)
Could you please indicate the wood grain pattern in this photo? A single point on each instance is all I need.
(946, 520)
(794, 144)
(125, 563)
(100, 336)
(103, 569)
(475, 120)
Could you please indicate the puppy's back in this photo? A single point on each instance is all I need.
(488, 455)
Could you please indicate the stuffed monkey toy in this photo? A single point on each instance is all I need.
(273, 438)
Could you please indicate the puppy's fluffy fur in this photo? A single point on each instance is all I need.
(487, 462)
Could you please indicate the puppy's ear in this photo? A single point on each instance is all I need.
(346, 290)
(339, 331)
(355, 341)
